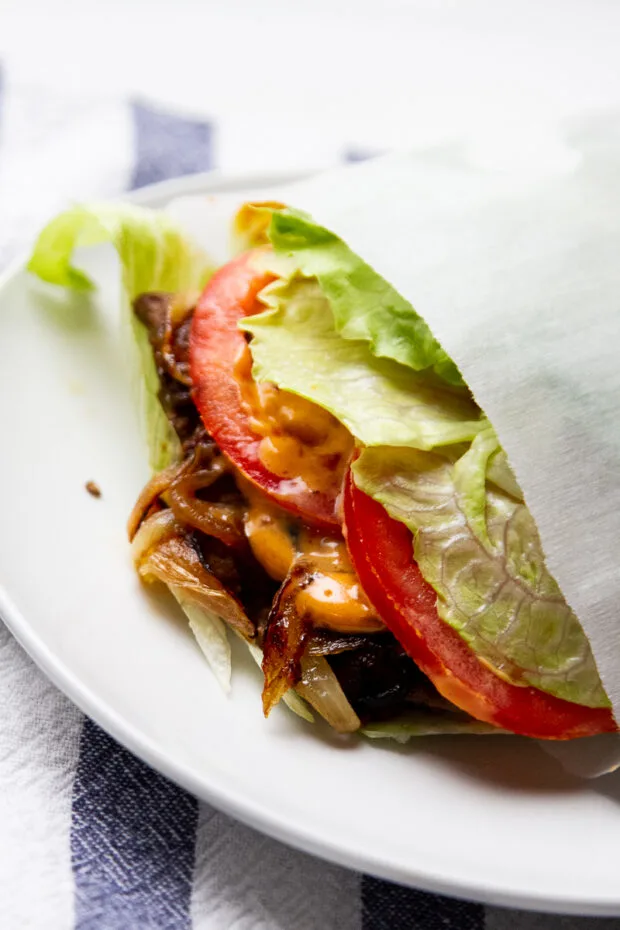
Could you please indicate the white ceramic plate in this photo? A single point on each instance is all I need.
(490, 818)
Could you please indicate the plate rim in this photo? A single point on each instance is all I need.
(263, 819)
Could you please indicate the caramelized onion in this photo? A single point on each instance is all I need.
(177, 309)
(165, 554)
(320, 687)
(178, 370)
(180, 484)
(225, 521)
(285, 640)
(291, 698)
(286, 663)
(153, 531)
(153, 489)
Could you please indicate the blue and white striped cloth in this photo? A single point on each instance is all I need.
(90, 837)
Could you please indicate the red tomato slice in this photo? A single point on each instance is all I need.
(215, 347)
(381, 551)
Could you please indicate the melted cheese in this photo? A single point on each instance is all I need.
(299, 439)
(331, 593)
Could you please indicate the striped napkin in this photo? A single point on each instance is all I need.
(91, 838)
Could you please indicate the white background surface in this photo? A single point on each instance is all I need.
(389, 72)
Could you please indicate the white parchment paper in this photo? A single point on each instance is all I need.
(514, 261)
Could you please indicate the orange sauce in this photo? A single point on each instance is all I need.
(299, 439)
(333, 597)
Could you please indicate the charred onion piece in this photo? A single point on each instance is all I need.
(284, 663)
(165, 553)
(181, 483)
(285, 638)
(154, 530)
(151, 491)
(224, 521)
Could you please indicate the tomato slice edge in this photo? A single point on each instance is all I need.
(215, 344)
(381, 552)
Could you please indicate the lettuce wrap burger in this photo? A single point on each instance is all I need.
(325, 486)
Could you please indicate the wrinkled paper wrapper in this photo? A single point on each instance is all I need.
(512, 255)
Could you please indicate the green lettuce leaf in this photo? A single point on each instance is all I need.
(479, 548)
(417, 723)
(338, 334)
(295, 344)
(154, 256)
(469, 475)
(211, 634)
(365, 307)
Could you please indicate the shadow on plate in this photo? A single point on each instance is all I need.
(608, 786)
(508, 762)
(73, 312)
